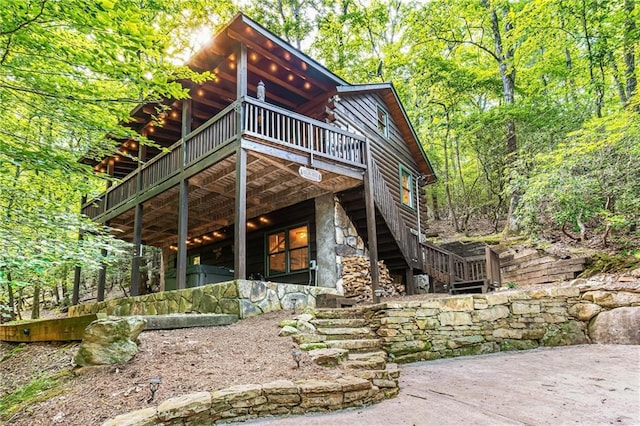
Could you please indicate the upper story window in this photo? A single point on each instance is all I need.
(406, 187)
(383, 122)
(288, 250)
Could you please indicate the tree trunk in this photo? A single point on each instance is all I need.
(597, 87)
(12, 302)
(508, 78)
(630, 39)
(447, 184)
(35, 309)
(436, 206)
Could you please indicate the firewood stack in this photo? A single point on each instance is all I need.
(356, 279)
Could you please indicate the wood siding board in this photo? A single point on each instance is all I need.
(360, 112)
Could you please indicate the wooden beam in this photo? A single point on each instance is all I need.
(291, 171)
(290, 87)
(102, 276)
(303, 159)
(241, 78)
(48, 330)
(371, 226)
(75, 296)
(253, 87)
(137, 251)
(186, 117)
(208, 102)
(410, 289)
(273, 57)
(240, 235)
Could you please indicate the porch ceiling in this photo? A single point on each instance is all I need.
(272, 184)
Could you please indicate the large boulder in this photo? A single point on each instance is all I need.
(619, 326)
(110, 341)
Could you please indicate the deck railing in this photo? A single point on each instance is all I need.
(288, 129)
(448, 267)
(262, 121)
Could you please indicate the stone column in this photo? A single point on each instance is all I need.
(325, 241)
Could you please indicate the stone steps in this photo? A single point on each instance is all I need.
(371, 363)
(355, 345)
(346, 329)
(173, 321)
(341, 313)
(339, 322)
(365, 355)
(338, 333)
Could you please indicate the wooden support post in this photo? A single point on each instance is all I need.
(75, 296)
(183, 229)
(452, 272)
(372, 236)
(137, 249)
(241, 87)
(240, 234)
(409, 281)
(187, 118)
(102, 277)
(183, 204)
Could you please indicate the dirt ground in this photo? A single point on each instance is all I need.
(186, 360)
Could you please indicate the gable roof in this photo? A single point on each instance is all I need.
(390, 96)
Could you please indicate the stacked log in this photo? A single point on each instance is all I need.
(356, 279)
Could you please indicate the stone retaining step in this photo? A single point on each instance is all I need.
(339, 322)
(345, 333)
(366, 355)
(171, 321)
(358, 345)
(373, 363)
(339, 313)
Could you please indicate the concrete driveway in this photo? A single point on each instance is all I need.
(578, 385)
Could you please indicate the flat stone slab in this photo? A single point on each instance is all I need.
(328, 357)
(171, 321)
(354, 345)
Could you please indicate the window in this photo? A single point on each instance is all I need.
(406, 187)
(383, 122)
(288, 250)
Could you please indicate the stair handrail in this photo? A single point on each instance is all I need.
(388, 209)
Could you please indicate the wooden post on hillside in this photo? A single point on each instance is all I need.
(372, 236)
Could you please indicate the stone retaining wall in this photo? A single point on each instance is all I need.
(509, 320)
(244, 298)
(243, 402)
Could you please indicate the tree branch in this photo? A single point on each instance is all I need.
(27, 22)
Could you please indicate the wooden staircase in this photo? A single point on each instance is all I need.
(401, 249)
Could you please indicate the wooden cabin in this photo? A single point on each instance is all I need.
(255, 174)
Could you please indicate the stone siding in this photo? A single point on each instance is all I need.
(510, 320)
(279, 398)
(243, 298)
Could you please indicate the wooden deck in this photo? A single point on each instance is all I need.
(263, 128)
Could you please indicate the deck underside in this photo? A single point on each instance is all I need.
(272, 184)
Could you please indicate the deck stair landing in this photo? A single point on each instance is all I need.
(401, 248)
(346, 328)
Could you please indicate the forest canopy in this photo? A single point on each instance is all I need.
(527, 109)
